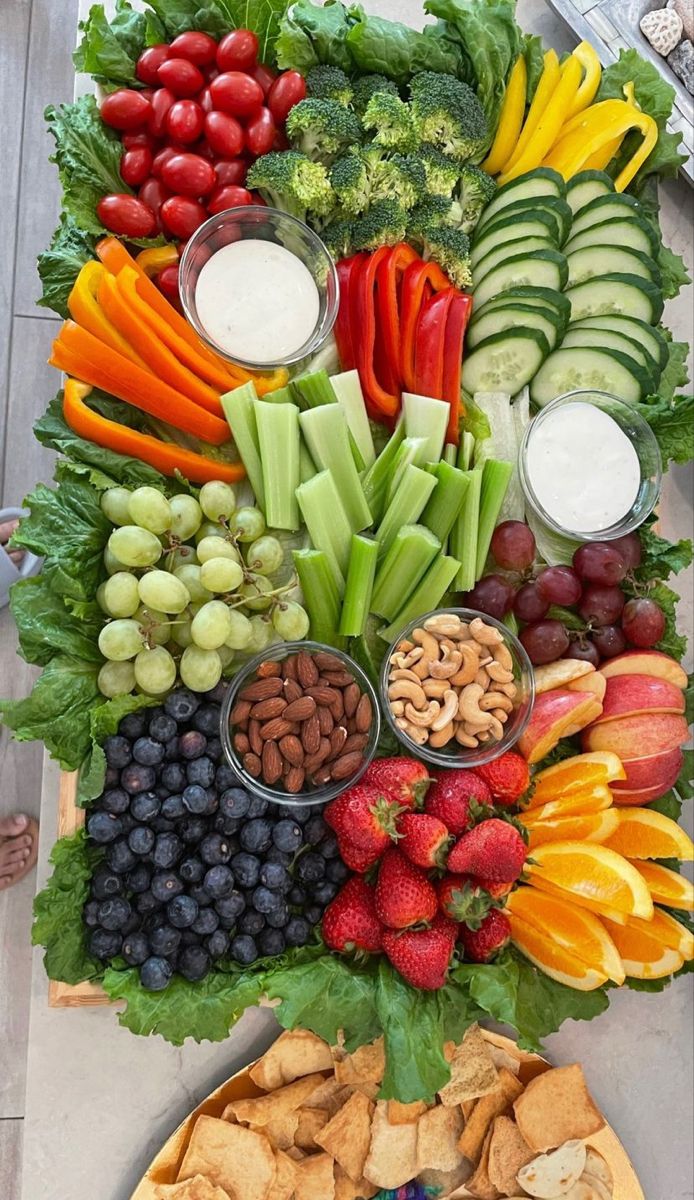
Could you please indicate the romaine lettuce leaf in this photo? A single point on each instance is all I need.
(310, 34)
(396, 50)
(109, 50)
(67, 527)
(104, 720)
(57, 711)
(46, 627)
(654, 96)
(60, 264)
(103, 468)
(58, 925)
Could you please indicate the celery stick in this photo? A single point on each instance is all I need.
(496, 476)
(239, 410)
(411, 552)
(327, 438)
(350, 397)
(426, 596)
(446, 500)
(463, 536)
(427, 418)
(283, 395)
(321, 598)
(279, 440)
(375, 481)
(465, 451)
(359, 586)
(450, 454)
(315, 389)
(410, 451)
(307, 467)
(408, 502)
(327, 524)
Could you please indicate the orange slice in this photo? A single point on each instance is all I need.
(666, 886)
(644, 955)
(587, 869)
(574, 929)
(672, 933)
(643, 833)
(593, 800)
(600, 910)
(551, 958)
(576, 774)
(579, 827)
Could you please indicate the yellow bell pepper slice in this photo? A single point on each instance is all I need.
(549, 124)
(603, 124)
(599, 160)
(153, 261)
(543, 93)
(590, 83)
(510, 120)
(85, 310)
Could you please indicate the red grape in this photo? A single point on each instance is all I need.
(513, 545)
(583, 649)
(601, 605)
(559, 585)
(493, 595)
(600, 562)
(609, 640)
(643, 622)
(629, 547)
(544, 641)
(530, 604)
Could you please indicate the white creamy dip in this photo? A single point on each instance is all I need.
(257, 301)
(582, 468)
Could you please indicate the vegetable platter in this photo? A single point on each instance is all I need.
(365, 719)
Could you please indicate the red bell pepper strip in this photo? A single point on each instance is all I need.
(388, 287)
(418, 280)
(458, 317)
(429, 344)
(344, 328)
(380, 402)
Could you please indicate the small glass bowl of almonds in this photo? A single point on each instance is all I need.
(457, 688)
(300, 723)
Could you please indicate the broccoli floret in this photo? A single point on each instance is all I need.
(451, 250)
(338, 236)
(366, 86)
(367, 174)
(322, 129)
(473, 194)
(392, 123)
(329, 83)
(440, 171)
(399, 177)
(447, 113)
(431, 213)
(290, 181)
(383, 225)
(351, 183)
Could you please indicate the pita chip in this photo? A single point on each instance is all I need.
(263, 1109)
(347, 1189)
(364, 1069)
(197, 1188)
(348, 1135)
(283, 1187)
(314, 1178)
(508, 1153)
(473, 1073)
(280, 1132)
(234, 1158)
(484, 1112)
(311, 1121)
(502, 1058)
(403, 1114)
(295, 1153)
(330, 1095)
(296, 1052)
(479, 1184)
(445, 1183)
(556, 1107)
(438, 1131)
(392, 1157)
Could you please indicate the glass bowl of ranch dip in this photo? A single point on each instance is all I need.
(259, 287)
(590, 466)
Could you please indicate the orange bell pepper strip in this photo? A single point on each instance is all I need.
(79, 353)
(458, 317)
(419, 280)
(153, 261)
(388, 286)
(84, 308)
(163, 456)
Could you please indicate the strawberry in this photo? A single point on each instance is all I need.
(350, 921)
(494, 849)
(404, 895)
(424, 839)
(422, 956)
(402, 779)
(355, 858)
(462, 898)
(482, 944)
(365, 817)
(507, 777)
(450, 797)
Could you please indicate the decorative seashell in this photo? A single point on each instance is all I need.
(663, 29)
(685, 10)
(682, 62)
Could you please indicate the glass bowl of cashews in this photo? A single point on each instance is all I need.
(457, 688)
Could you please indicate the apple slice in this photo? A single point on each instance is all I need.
(553, 714)
(627, 695)
(646, 662)
(595, 683)
(626, 797)
(644, 734)
(560, 674)
(589, 717)
(647, 771)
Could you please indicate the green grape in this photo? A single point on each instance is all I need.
(265, 555)
(120, 594)
(217, 500)
(261, 635)
(200, 669)
(120, 640)
(116, 679)
(254, 592)
(211, 624)
(226, 655)
(135, 547)
(159, 589)
(111, 563)
(248, 524)
(214, 547)
(182, 556)
(210, 529)
(181, 633)
(241, 633)
(290, 621)
(221, 574)
(154, 624)
(155, 671)
(189, 575)
(100, 599)
(114, 505)
(186, 516)
(150, 510)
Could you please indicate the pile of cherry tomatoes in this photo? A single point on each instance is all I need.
(207, 110)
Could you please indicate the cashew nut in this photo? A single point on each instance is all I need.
(469, 703)
(428, 642)
(448, 711)
(478, 727)
(444, 625)
(500, 715)
(509, 689)
(465, 739)
(486, 635)
(482, 677)
(469, 666)
(502, 654)
(404, 673)
(496, 729)
(434, 688)
(405, 689)
(498, 673)
(419, 736)
(425, 717)
(421, 668)
(406, 645)
(484, 735)
(448, 665)
(493, 700)
(397, 707)
(442, 736)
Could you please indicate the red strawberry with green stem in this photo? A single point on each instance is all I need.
(402, 779)
(422, 956)
(494, 850)
(461, 898)
(423, 839)
(483, 943)
(452, 795)
(507, 777)
(355, 858)
(350, 921)
(404, 895)
(365, 817)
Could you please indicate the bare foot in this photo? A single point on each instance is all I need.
(7, 528)
(17, 848)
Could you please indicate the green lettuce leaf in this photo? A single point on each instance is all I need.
(673, 425)
(673, 272)
(104, 720)
(109, 50)
(534, 52)
(675, 374)
(203, 1011)
(309, 35)
(57, 711)
(262, 16)
(102, 468)
(399, 52)
(653, 94)
(328, 995)
(67, 527)
(176, 16)
(60, 264)
(58, 925)
(661, 558)
(46, 626)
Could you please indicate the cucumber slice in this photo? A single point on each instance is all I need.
(625, 295)
(609, 339)
(605, 208)
(648, 336)
(543, 268)
(597, 260)
(554, 206)
(517, 316)
(543, 181)
(505, 361)
(580, 367)
(507, 250)
(631, 232)
(531, 225)
(587, 186)
(540, 297)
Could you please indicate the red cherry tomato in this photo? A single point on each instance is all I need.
(204, 148)
(210, 73)
(184, 121)
(231, 170)
(182, 215)
(136, 165)
(127, 215)
(287, 90)
(260, 132)
(149, 63)
(237, 51)
(204, 99)
(162, 100)
(181, 76)
(161, 157)
(189, 175)
(281, 141)
(125, 109)
(256, 198)
(147, 92)
(198, 48)
(224, 134)
(167, 281)
(237, 93)
(228, 197)
(140, 138)
(265, 76)
(153, 193)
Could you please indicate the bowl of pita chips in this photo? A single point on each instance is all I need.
(305, 1122)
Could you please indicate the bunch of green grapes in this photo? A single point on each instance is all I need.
(188, 588)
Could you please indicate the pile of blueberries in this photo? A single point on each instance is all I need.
(195, 868)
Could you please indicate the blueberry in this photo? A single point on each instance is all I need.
(234, 802)
(336, 871)
(274, 855)
(128, 822)
(214, 749)
(131, 924)
(115, 801)
(217, 944)
(189, 938)
(164, 940)
(218, 692)
(117, 751)
(219, 881)
(246, 868)
(166, 885)
(256, 836)
(315, 829)
(193, 963)
(275, 877)
(251, 922)
(155, 974)
(297, 931)
(105, 882)
(191, 869)
(173, 776)
(225, 777)
(206, 921)
(114, 912)
(162, 727)
(199, 800)
(287, 836)
(257, 807)
(313, 913)
(279, 916)
(171, 751)
(120, 857)
(141, 840)
(161, 792)
(135, 948)
(192, 744)
(182, 911)
(138, 778)
(90, 914)
(147, 903)
(230, 908)
(173, 807)
(181, 705)
(201, 770)
(271, 942)
(111, 777)
(148, 752)
(162, 825)
(200, 894)
(310, 868)
(104, 827)
(297, 896)
(145, 806)
(206, 719)
(214, 849)
(302, 812)
(264, 901)
(138, 880)
(105, 943)
(227, 826)
(167, 850)
(192, 830)
(243, 949)
(133, 725)
(325, 891)
(329, 848)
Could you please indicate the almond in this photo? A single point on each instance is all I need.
(291, 748)
(351, 697)
(240, 712)
(306, 670)
(272, 762)
(262, 689)
(322, 775)
(264, 709)
(323, 694)
(254, 737)
(289, 667)
(275, 729)
(337, 707)
(241, 744)
(356, 741)
(339, 679)
(294, 779)
(324, 751)
(269, 670)
(363, 715)
(252, 764)
(310, 735)
(291, 690)
(338, 737)
(327, 662)
(300, 710)
(346, 765)
(325, 720)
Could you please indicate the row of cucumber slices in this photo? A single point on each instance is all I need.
(567, 291)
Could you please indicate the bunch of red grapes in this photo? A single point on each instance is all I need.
(591, 587)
